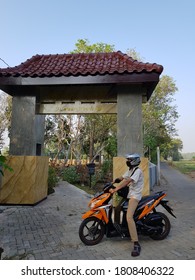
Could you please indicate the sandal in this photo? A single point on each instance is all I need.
(136, 251)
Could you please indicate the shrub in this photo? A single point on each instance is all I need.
(103, 174)
(106, 169)
(82, 171)
(70, 175)
(52, 179)
(3, 165)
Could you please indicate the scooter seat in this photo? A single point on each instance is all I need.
(147, 198)
(144, 199)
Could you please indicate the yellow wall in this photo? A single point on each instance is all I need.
(27, 183)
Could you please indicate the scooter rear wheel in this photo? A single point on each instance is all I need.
(91, 231)
(166, 226)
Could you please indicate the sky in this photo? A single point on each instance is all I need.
(160, 31)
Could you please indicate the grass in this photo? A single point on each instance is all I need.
(85, 188)
(184, 166)
(93, 190)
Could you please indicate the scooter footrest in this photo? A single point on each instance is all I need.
(119, 230)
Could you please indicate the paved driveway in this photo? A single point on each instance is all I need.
(49, 231)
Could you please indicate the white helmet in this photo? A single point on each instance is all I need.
(135, 159)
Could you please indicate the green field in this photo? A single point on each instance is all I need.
(184, 166)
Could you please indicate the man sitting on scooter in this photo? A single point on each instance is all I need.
(135, 180)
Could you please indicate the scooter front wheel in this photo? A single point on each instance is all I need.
(91, 231)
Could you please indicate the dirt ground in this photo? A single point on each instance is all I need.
(192, 175)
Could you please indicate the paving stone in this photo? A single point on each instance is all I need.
(49, 231)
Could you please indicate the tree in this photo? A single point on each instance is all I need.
(160, 116)
(98, 129)
(135, 55)
(83, 46)
(64, 136)
(57, 136)
(5, 116)
(173, 149)
(111, 147)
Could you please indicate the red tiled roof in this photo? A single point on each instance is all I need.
(79, 64)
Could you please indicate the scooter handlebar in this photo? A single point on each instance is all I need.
(108, 186)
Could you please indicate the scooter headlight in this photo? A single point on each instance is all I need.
(96, 202)
(93, 203)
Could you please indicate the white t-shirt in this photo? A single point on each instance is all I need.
(136, 187)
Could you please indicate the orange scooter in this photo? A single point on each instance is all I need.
(98, 221)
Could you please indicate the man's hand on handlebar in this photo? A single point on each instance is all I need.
(117, 180)
(112, 191)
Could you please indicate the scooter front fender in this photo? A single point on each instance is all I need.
(87, 214)
(98, 213)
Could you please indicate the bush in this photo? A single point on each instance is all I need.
(82, 171)
(106, 169)
(103, 174)
(52, 179)
(3, 165)
(70, 175)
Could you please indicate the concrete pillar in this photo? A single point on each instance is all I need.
(39, 134)
(129, 122)
(27, 129)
